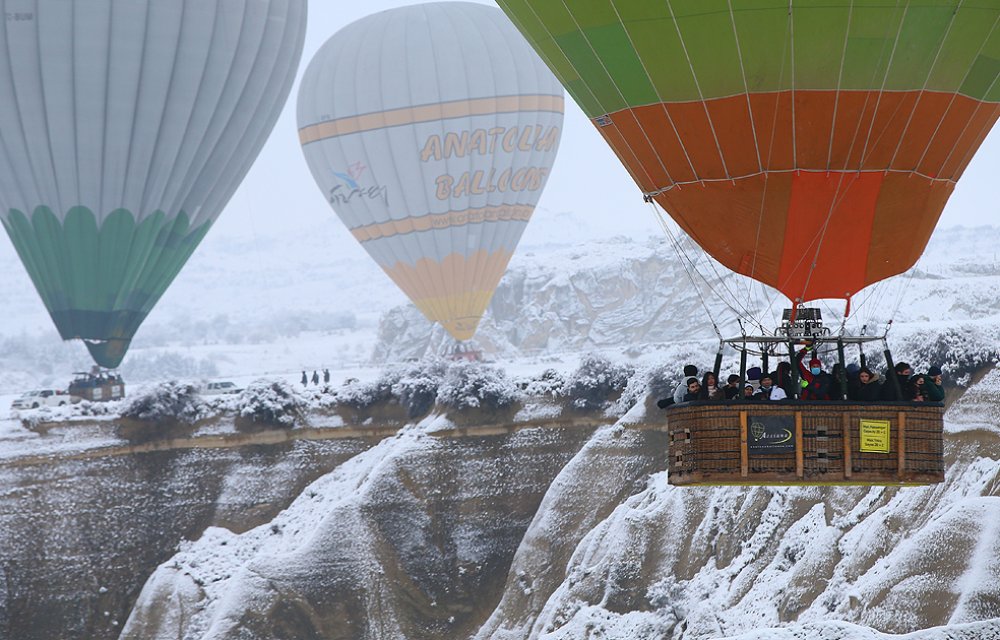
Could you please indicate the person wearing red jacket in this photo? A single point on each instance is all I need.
(816, 383)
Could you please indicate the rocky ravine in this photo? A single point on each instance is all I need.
(79, 537)
(413, 539)
(565, 528)
(82, 529)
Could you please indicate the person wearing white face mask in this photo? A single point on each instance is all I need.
(768, 391)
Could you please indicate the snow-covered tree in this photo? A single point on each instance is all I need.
(472, 385)
(597, 382)
(167, 402)
(271, 402)
(417, 386)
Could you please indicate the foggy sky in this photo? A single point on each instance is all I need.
(279, 195)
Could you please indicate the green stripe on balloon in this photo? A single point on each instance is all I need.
(689, 50)
(99, 281)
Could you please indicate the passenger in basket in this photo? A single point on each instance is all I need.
(903, 373)
(748, 392)
(935, 391)
(693, 390)
(782, 377)
(690, 371)
(710, 389)
(732, 388)
(868, 387)
(768, 391)
(816, 383)
(916, 389)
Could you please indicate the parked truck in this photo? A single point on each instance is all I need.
(44, 398)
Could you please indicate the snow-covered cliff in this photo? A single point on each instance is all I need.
(624, 297)
(420, 538)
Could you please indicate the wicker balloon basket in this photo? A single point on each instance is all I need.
(821, 443)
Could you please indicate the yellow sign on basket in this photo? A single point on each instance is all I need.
(875, 436)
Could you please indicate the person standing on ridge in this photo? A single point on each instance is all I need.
(315, 378)
(305, 379)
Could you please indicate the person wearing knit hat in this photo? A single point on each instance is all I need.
(768, 390)
(934, 389)
(816, 383)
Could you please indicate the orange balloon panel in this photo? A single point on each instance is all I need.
(819, 235)
(844, 197)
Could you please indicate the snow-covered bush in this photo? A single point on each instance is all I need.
(31, 419)
(548, 383)
(271, 402)
(86, 408)
(362, 395)
(417, 386)
(472, 385)
(166, 402)
(596, 382)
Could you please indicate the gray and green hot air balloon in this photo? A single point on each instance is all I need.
(125, 128)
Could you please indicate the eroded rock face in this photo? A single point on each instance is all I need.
(423, 537)
(438, 531)
(78, 538)
(719, 562)
(412, 539)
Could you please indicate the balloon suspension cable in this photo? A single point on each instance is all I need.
(902, 294)
(691, 268)
(684, 259)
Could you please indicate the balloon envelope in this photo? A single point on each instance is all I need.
(126, 126)
(811, 146)
(431, 130)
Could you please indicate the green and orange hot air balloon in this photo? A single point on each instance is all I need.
(809, 145)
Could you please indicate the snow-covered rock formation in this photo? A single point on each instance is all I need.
(624, 296)
(494, 539)
(617, 293)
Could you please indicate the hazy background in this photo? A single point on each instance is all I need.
(278, 247)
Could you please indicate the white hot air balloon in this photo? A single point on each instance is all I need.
(125, 127)
(431, 130)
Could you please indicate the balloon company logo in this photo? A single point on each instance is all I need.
(761, 433)
(351, 190)
(491, 142)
